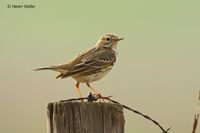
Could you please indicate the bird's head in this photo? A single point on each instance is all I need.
(108, 41)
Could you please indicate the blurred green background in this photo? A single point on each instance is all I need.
(157, 71)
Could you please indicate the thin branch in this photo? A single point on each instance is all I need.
(92, 98)
(196, 116)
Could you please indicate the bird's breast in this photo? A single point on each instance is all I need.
(92, 77)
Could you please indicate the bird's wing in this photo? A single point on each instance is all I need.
(102, 58)
(70, 64)
(92, 62)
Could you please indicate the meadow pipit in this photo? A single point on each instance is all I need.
(91, 65)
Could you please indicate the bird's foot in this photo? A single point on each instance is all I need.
(94, 97)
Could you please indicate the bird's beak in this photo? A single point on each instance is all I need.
(120, 39)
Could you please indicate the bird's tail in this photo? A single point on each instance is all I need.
(54, 68)
(45, 68)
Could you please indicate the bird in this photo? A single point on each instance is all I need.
(91, 65)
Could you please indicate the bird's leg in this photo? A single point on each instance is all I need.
(97, 93)
(92, 89)
(78, 89)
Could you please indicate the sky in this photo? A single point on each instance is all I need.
(157, 70)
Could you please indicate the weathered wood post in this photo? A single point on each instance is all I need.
(85, 117)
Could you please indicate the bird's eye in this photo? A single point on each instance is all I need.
(108, 39)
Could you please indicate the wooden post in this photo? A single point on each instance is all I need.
(84, 117)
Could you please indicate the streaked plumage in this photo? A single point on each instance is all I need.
(91, 65)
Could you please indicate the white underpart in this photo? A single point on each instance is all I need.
(92, 77)
(114, 46)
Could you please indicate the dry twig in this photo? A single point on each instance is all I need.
(196, 117)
